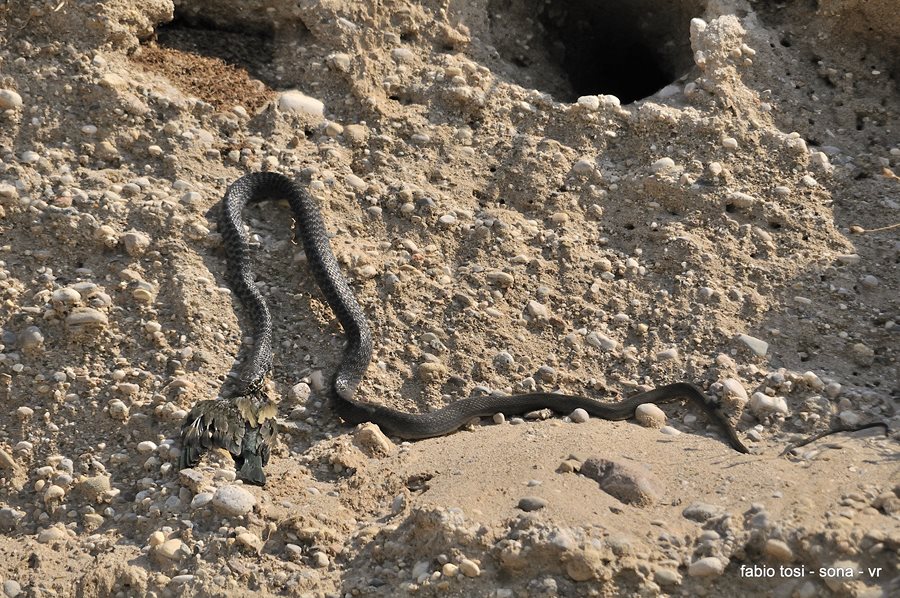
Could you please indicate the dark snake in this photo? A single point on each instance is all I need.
(244, 424)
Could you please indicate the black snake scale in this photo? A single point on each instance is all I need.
(245, 425)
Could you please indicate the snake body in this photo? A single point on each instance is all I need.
(244, 424)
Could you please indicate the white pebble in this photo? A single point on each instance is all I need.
(759, 347)
(601, 341)
(667, 354)
(706, 567)
(663, 165)
(650, 416)
(762, 405)
(9, 99)
(233, 500)
(469, 568)
(579, 416)
(730, 143)
(300, 103)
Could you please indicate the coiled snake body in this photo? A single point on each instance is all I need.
(245, 424)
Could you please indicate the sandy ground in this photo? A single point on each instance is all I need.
(583, 197)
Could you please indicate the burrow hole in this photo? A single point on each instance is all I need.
(627, 48)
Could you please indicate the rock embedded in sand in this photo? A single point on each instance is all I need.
(579, 416)
(628, 482)
(233, 500)
(300, 103)
(706, 567)
(759, 347)
(650, 416)
(9, 99)
(469, 568)
(531, 503)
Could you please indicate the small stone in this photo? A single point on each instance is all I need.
(373, 442)
(469, 568)
(706, 567)
(53, 493)
(663, 166)
(171, 550)
(579, 416)
(741, 200)
(249, 540)
(778, 550)
(320, 560)
(536, 311)
(136, 242)
(300, 392)
(86, 318)
(146, 447)
(531, 503)
(583, 166)
(93, 488)
(762, 405)
(759, 347)
(628, 482)
(730, 143)
(449, 570)
(650, 416)
(51, 535)
(862, 354)
(180, 580)
(201, 499)
(667, 354)
(666, 577)
(503, 279)
(156, 538)
(31, 339)
(300, 103)
(233, 500)
(11, 588)
(584, 564)
(117, 410)
(9, 100)
(589, 102)
(601, 341)
(701, 512)
(733, 389)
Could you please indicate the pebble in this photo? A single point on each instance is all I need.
(759, 347)
(601, 341)
(93, 488)
(249, 540)
(730, 143)
(650, 416)
(667, 354)
(31, 338)
(171, 550)
(9, 99)
(537, 311)
(52, 534)
(469, 568)
(136, 242)
(579, 416)
(373, 442)
(12, 588)
(117, 410)
(628, 482)
(583, 166)
(233, 500)
(146, 447)
(700, 512)
(662, 166)
(449, 570)
(778, 550)
(732, 387)
(741, 200)
(531, 503)
(180, 580)
(503, 279)
(762, 405)
(300, 103)
(201, 499)
(706, 567)
(83, 319)
(666, 577)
